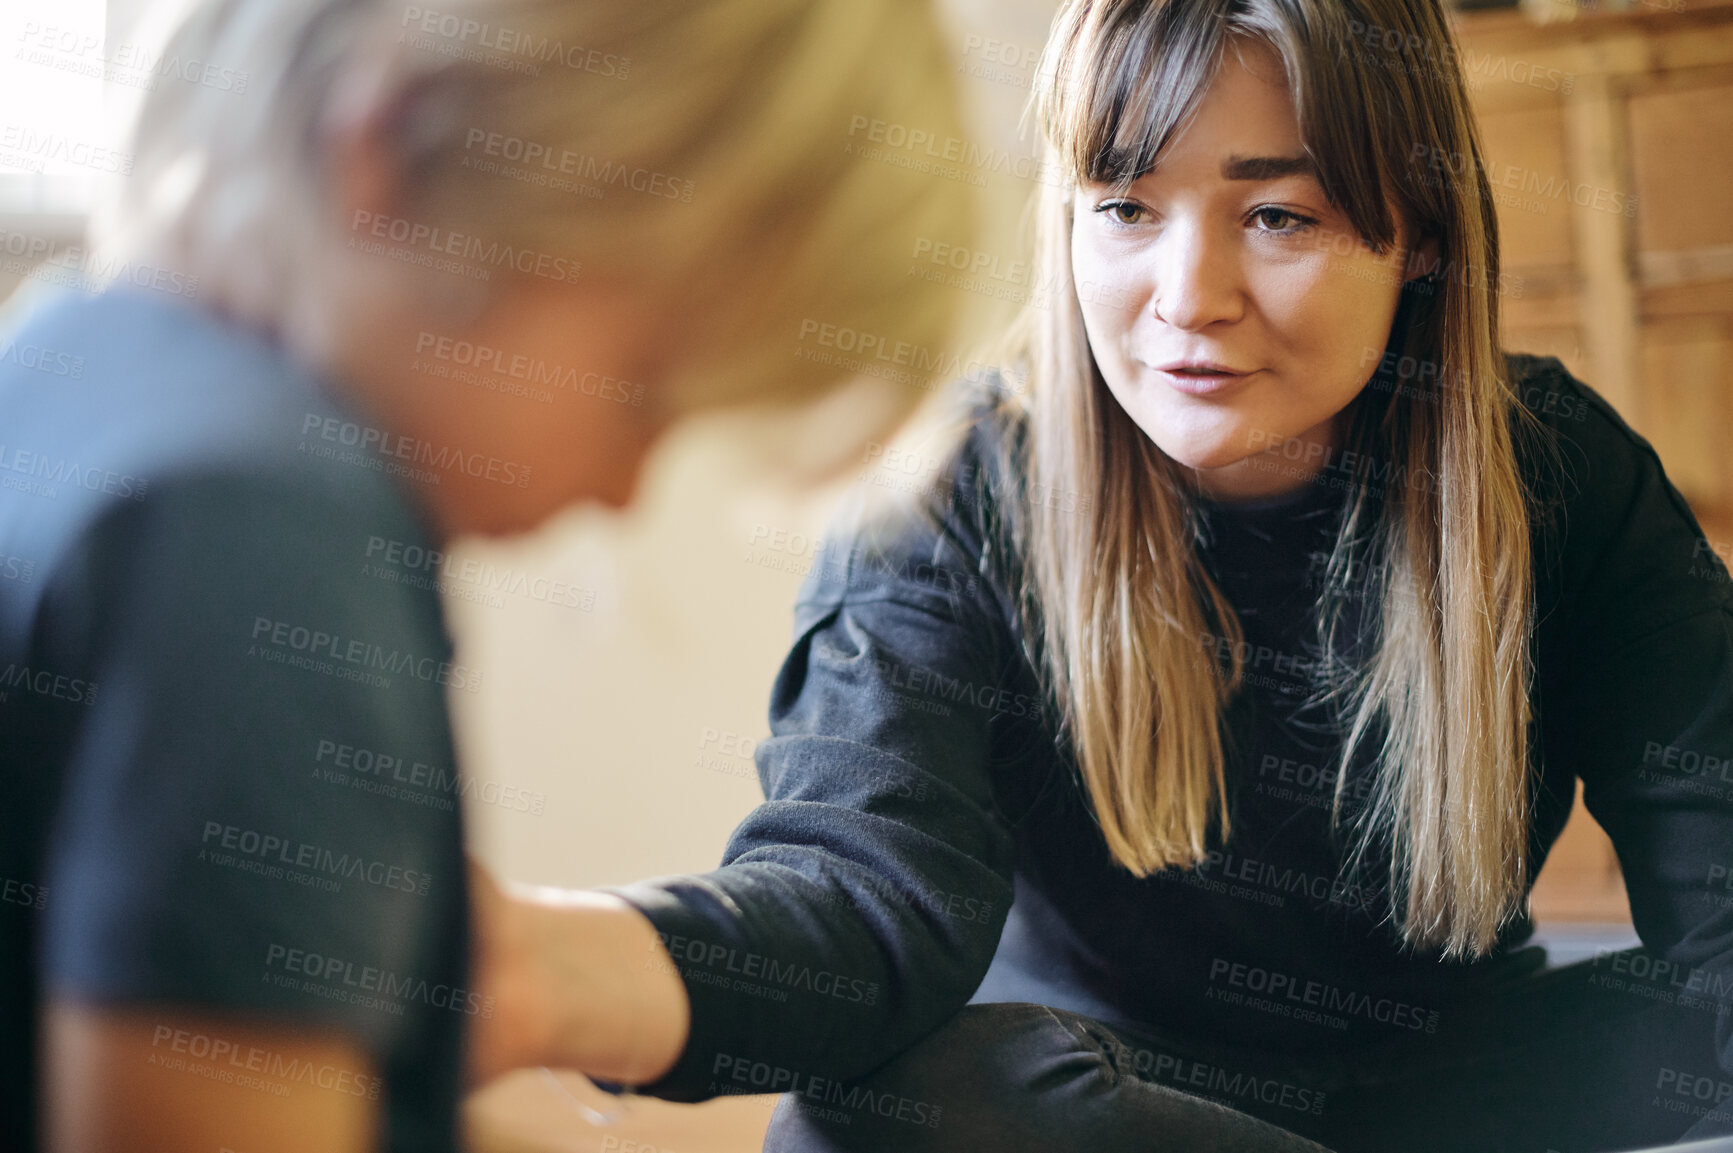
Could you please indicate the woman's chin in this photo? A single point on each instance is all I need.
(1206, 456)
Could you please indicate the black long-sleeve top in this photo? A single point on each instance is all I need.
(925, 839)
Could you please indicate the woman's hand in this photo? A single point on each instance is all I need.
(576, 979)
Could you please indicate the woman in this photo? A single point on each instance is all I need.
(419, 271)
(1255, 658)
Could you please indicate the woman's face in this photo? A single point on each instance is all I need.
(1229, 306)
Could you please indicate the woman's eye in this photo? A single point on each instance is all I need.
(1121, 211)
(1280, 220)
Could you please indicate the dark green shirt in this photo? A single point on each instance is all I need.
(228, 778)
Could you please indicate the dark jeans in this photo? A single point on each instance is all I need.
(1607, 1054)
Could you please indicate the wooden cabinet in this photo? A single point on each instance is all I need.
(1613, 182)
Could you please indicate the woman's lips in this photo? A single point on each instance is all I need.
(1201, 379)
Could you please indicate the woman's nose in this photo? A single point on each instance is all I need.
(1197, 279)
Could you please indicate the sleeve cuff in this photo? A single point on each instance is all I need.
(685, 909)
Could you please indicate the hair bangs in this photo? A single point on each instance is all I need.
(1126, 83)
(1125, 78)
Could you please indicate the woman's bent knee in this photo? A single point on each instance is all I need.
(978, 1081)
(1012, 1078)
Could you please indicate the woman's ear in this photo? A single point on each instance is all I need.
(1423, 260)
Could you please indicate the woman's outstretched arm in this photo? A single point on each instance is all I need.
(857, 908)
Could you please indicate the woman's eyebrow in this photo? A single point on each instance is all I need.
(1266, 167)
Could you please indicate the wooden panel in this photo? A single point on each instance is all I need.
(1683, 167)
(1525, 160)
(1660, 269)
(1604, 42)
(1595, 137)
(1563, 342)
(1536, 310)
(1685, 412)
(1712, 299)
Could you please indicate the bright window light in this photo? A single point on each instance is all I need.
(68, 90)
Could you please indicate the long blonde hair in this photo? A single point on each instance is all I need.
(1119, 606)
(705, 152)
